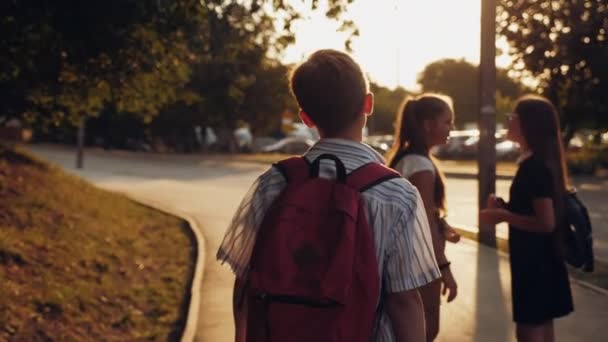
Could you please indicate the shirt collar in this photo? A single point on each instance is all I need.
(328, 145)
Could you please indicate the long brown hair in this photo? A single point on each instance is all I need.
(540, 128)
(410, 138)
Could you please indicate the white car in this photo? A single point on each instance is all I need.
(290, 145)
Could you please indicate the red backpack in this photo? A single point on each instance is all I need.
(313, 272)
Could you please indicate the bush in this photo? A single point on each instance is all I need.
(602, 157)
(587, 160)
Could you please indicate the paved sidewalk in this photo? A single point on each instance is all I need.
(210, 192)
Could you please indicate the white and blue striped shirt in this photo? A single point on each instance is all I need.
(394, 209)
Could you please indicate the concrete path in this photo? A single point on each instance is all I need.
(210, 191)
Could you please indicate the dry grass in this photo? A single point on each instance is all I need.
(78, 263)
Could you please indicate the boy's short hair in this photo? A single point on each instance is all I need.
(330, 88)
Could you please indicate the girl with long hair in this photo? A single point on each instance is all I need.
(535, 214)
(422, 123)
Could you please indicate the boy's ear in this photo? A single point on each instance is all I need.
(306, 119)
(368, 104)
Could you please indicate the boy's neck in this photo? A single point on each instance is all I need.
(355, 137)
(354, 133)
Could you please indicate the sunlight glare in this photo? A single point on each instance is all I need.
(398, 35)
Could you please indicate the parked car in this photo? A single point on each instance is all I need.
(507, 150)
(302, 131)
(259, 143)
(460, 145)
(380, 143)
(464, 145)
(289, 145)
(244, 139)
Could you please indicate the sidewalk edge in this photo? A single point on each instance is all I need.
(192, 316)
(470, 175)
(502, 245)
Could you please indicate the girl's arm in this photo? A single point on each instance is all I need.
(543, 220)
(425, 182)
(239, 310)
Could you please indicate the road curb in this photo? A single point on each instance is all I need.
(192, 316)
(503, 246)
(590, 286)
(467, 175)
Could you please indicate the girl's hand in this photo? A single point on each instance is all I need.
(450, 234)
(495, 202)
(493, 215)
(492, 202)
(449, 284)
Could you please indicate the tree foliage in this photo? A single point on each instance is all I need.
(67, 58)
(386, 104)
(460, 80)
(209, 59)
(565, 45)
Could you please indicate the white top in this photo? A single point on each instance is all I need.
(413, 163)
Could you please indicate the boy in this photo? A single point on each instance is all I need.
(333, 96)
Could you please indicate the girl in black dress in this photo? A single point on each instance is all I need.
(539, 278)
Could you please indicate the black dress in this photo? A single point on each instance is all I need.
(539, 278)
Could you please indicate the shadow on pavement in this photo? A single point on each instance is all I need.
(493, 321)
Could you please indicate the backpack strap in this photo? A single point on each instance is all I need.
(370, 175)
(294, 169)
(340, 168)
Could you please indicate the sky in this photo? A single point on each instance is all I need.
(398, 38)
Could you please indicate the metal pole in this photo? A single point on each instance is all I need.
(487, 115)
(80, 149)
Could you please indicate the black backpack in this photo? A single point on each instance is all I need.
(578, 239)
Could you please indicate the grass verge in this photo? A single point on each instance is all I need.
(79, 263)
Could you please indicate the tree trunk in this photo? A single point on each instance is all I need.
(81, 137)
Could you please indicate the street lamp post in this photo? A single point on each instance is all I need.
(487, 115)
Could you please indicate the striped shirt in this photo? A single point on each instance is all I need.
(394, 209)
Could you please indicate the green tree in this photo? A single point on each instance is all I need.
(563, 44)
(67, 58)
(267, 98)
(460, 80)
(386, 104)
(236, 79)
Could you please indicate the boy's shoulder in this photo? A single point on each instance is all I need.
(272, 177)
(397, 191)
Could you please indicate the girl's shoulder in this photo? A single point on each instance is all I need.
(534, 164)
(534, 168)
(413, 163)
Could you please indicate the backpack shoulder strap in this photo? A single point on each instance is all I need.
(370, 175)
(294, 169)
(577, 214)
